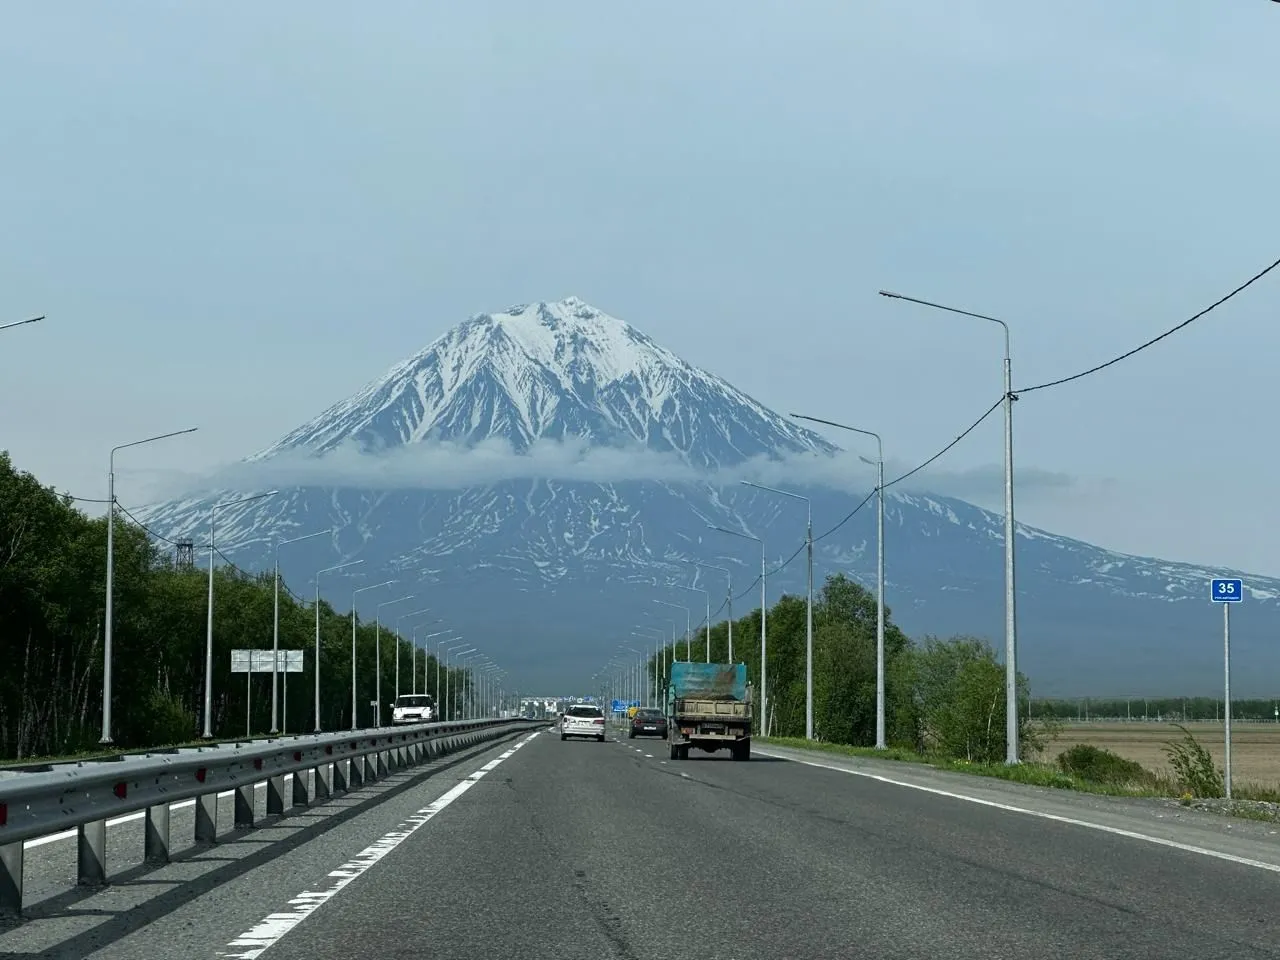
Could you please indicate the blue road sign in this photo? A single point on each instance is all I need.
(1226, 590)
(617, 707)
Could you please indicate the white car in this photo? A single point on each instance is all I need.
(582, 720)
(414, 708)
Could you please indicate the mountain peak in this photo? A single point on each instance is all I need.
(555, 370)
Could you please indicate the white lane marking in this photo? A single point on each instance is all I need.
(275, 925)
(649, 755)
(1088, 824)
(116, 821)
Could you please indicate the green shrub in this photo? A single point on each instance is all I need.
(168, 720)
(1193, 766)
(1102, 766)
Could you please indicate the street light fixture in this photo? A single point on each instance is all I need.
(19, 323)
(108, 618)
(340, 566)
(764, 642)
(881, 741)
(707, 596)
(808, 646)
(1010, 593)
(275, 629)
(377, 653)
(208, 642)
(441, 651)
(399, 620)
(468, 690)
(425, 654)
(355, 709)
(728, 599)
(688, 627)
(448, 658)
(665, 664)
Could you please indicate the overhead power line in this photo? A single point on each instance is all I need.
(1154, 340)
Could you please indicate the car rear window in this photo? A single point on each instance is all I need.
(583, 711)
(649, 714)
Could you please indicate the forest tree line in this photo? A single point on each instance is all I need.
(52, 599)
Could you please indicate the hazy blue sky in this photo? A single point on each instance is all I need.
(235, 214)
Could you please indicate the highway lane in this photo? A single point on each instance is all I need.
(192, 906)
(580, 849)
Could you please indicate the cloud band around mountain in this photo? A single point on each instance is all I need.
(447, 466)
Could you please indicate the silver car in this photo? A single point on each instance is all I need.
(582, 720)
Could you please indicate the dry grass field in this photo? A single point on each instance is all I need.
(1255, 747)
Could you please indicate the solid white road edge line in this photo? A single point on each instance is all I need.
(1089, 824)
(252, 944)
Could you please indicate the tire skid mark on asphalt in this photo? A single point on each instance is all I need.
(1044, 815)
(274, 926)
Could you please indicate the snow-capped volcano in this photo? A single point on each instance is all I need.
(538, 567)
(554, 371)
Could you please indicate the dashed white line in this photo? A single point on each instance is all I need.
(1058, 818)
(274, 926)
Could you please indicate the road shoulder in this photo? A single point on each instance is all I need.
(1154, 820)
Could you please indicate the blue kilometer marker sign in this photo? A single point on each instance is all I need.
(1226, 591)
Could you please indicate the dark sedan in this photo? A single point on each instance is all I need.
(648, 722)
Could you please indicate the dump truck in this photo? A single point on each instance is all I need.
(709, 707)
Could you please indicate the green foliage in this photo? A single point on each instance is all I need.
(945, 699)
(52, 596)
(1193, 766)
(1102, 766)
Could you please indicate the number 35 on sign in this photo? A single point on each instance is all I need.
(1226, 591)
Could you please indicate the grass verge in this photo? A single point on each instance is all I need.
(1250, 801)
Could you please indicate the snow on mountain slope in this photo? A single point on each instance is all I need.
(558, 564)
(555, 370)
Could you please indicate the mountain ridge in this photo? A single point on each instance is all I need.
(535, 541)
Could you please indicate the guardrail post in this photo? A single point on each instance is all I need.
(91, 853)
(370, 761)
(155, 840)
(301, 795)
(341, 783)
(275, 795)
(355, 773)
(384, 762)
(244, 807)
(323, 781)
(206, 820)
(11, 856)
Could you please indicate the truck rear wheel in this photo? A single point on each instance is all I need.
(742, 751)
(674, 751)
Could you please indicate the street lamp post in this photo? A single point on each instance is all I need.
(377, 655)
(355, 711)
(109, 613)
(808, 647)
(413, 649)
(275, 627)
(468, 689)
(728, 599)
(425, 654)
(672, 623)
(764, 643)
(706, 596)
(448, 658)
(688, 628)
(340, 566)
(881, 741)
(657, 636)
(208, 641)
(1010, 592)
(442, 650)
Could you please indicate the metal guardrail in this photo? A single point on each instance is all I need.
(46, 799)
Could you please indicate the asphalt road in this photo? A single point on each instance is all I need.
(547, 849)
